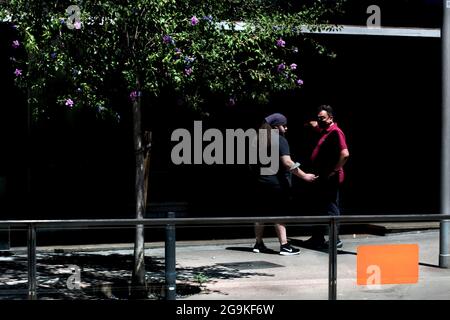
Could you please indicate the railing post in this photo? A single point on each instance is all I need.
(444, 241)
(332, 259)
(444, 244)
(170, 260)
(32, 281)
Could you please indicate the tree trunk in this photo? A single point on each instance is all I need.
(138, 277)
(148, 145)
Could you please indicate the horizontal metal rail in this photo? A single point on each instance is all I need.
(224, 220)
(332, 221)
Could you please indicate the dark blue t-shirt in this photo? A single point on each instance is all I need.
(283, 178)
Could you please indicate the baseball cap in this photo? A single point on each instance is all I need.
(276, 119)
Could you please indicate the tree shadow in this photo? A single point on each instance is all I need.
(100, 276)
(211, 274)
(104, 276)
(218, 272)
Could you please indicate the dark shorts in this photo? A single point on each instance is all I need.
(271, 201)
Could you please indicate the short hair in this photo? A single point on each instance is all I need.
(326, 108)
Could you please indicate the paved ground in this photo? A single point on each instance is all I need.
(225, 270)
(306, 276)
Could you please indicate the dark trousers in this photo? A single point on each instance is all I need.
(326, 202)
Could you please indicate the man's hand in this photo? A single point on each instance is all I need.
(311, 124)
(309, 177)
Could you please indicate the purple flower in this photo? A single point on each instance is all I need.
(293, 66)
(177, 54)
(281, 43)
(194, 21)
(188, 71)
(77, 25)
(208, 18)
(18, 72)
(281, 67)
(231, 102)
(134, 95)
(299, 82)
(53, 55)
(62, 21)
(16, 44)
(168, 39)
(69, 102)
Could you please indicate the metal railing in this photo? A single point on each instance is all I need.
(331, 221)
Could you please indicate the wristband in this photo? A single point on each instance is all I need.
(294, 166)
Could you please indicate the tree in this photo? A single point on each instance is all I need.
(73, 47)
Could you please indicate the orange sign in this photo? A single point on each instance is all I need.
(388, 264)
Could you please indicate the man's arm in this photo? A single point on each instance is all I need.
(343, 157)
(291, 165)
(314, 125)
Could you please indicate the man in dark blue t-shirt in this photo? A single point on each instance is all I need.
(274, 189)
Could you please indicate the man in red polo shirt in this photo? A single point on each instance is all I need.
(328, 160)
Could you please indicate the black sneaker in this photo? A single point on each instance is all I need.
(287, 250)
(260, 247)
(339, 244)
(314, 243)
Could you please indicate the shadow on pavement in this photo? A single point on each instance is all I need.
(246, 249)
(105, 276)
(302, 244)
(429, 265)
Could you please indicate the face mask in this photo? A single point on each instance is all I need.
(322, 124)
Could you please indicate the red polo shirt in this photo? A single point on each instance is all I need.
(327, 151)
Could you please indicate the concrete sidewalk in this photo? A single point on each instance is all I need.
(271, 276)
(229, 270)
